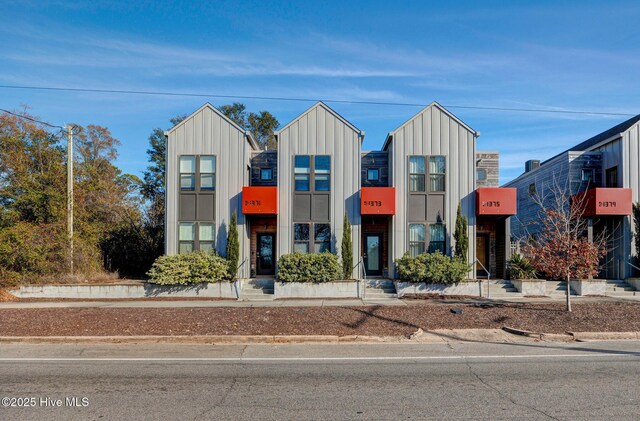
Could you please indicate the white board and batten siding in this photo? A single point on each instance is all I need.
(434, 131)
(321, 131)
(208, 132)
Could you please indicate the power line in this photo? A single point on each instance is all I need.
(31, 119)
(293, 99)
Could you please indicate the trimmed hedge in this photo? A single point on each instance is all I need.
(432, 268)
(319, 267)
(188, 268)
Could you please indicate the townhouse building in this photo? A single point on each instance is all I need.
(605, 168)
(400, 199)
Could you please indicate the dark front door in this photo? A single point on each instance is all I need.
(266, 264)
(373, 254)
(482, 253)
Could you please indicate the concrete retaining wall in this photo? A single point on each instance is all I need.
(634, 282)
(335, 289)
(472, 288)
(140, 290)
(589, 286)
(530, 286)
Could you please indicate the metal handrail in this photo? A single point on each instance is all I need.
(488, 275)
(363, 272)
(235, 284)
(632, 265)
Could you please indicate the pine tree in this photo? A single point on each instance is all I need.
(347, 249)
(461, 236)
(233, 246)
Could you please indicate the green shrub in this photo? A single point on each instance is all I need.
(188, 268)
(319, 267)
(233, 247)
(520, 267)
(432, 268)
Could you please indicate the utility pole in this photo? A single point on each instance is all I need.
(70, 194)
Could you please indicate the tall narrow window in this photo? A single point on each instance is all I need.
(206, 233)
(187, 172)
(416, 174)
(186, 237)
(322, 172)
(207, 172)
(322, 238)
(302, 172)
(612, 177)
(416, 239)
(373, 174)
(481, 174)
(266, 174)
(436, 173)
(436, 238)
(301, 238)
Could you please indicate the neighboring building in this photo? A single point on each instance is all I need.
(606, 166)
(400, 199)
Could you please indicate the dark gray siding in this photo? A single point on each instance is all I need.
(375, 160)
(260, 160)
(489, 162)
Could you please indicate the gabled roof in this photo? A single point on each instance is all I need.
(433, 104)
(593, 141)
(327, 108)
(247, 133)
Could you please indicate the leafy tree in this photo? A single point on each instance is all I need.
(233, 246)
(262, 124)
(461, 235)
(347, 249)
(560, 250)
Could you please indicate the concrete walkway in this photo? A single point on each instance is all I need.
(298, 302)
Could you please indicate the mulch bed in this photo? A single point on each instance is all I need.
(382, 321)
(6, 297)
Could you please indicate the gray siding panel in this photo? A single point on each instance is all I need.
(319, 131)
(434, 132)
(207, 132)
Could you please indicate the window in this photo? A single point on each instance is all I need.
(302, 172)
(416, 174)
(373, 174)
(612, 177)
(322, 238)
(588, 175)
(322, 172)
(188, 241)
(188, 172)
(186, 237)
(436, 173)
(206, 236)
(301, 238)
(266, 174)
(416, 239)
(207, 172)
(481, 174)
(436, 238)
(532, 189)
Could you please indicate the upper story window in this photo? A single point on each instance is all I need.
(416, 174)
(302, 172)
(532, 189)
(373, 174)
(321, 171)
(188, 172)
(481, 174)
(587, 175)
(612, 176)
(266, 174)
(200, 168)
(437, 168)
(207, 172)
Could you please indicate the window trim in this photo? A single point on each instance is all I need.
(308, 174)
(197, 175)
(311, 242)
(591, 171)
(532, 189)
(484, 171)
(196, 235)
(422, 174)
(611, 170)
(426, 244)
(270, 174)
(443, 175)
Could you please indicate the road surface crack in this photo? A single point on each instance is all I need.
(504, 395)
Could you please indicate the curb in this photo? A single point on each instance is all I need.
(202, 339)
(598, 336)
(555, 337)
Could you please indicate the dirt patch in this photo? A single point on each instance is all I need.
(6, 297)
(372, 320)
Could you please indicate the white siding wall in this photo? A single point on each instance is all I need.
(434, 132)
(630, 178)
(207, 132)
(319, 131)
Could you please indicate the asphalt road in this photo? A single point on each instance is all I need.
(323, 382)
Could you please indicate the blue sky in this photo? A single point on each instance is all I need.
(552, 55)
